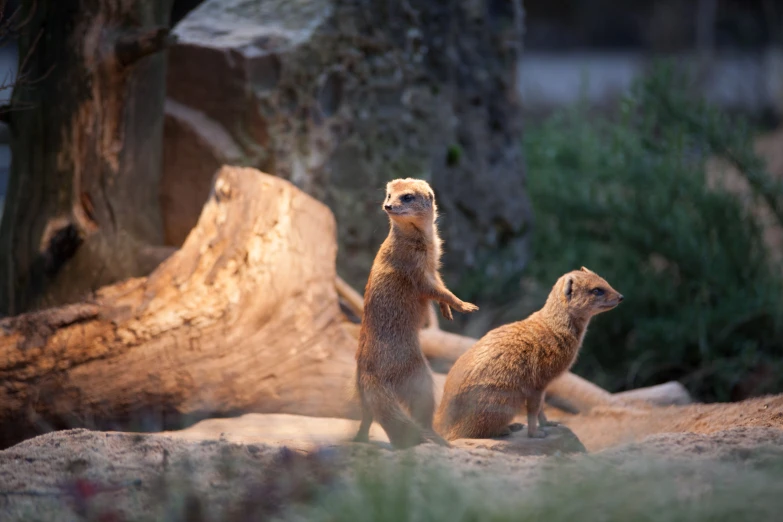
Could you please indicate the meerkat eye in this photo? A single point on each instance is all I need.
(597, 291)
(407, 198)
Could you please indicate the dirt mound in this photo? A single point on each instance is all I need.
(223, 465)
(606, 427)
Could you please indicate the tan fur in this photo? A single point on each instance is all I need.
(511, 366)
(391, 369)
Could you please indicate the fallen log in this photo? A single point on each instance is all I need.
(667, 394)
(569, 392)
(244, 317)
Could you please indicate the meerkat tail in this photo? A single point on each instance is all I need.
(402, 430)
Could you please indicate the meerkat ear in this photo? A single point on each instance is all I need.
(567, 290)
(587, 270)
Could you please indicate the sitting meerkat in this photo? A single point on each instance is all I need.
(511, 366)
(391, 369)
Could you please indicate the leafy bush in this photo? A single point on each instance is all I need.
(628, 198)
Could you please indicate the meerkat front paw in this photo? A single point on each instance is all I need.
(549, 423)
(467, 308)
(445, 310)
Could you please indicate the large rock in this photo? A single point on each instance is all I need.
(340, 96)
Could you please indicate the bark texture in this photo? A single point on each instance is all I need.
(82, 207)
(245, 317)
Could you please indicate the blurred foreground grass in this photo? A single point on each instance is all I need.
(587, 489)
(732, 475)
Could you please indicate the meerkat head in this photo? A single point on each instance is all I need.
(585, 292)
(410, 201)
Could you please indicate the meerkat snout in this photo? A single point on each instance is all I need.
(587, 293)
(409, 199)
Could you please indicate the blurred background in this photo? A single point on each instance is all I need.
(640, 139)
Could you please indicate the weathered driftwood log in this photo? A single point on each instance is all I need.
(666, 394)
(244, 317)
(568, 392)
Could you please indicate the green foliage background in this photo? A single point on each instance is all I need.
(626, 196)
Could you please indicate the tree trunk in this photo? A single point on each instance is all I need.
(82, 208)
(245, 317)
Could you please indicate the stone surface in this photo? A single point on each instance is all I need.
(340, 96)
(195, 148)
(559, 440)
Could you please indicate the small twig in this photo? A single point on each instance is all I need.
(355, 303)
(23, 66)
(135, 45)
(354, 300)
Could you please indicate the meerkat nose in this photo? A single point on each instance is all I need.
(620, 298)
(387, 207)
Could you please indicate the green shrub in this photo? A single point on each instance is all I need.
(627, 198)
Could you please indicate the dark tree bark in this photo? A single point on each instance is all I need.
(82, 208)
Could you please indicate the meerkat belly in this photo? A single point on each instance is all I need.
(391, 340)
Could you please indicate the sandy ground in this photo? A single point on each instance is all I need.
(604, 428)
(219, 461)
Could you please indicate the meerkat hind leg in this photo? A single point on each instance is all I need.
(542, 420)
(363, 435)
(534, 403)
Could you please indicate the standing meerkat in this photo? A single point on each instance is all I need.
(511, 366)
(391, 370)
